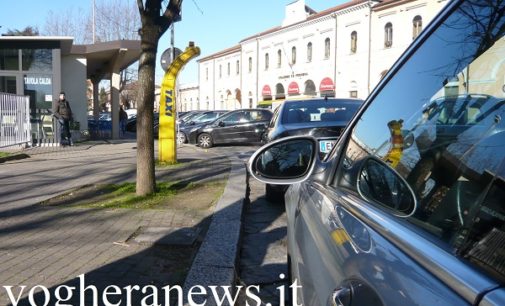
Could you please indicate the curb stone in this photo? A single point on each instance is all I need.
(214, 264)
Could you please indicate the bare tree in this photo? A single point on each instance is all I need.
(116, 20)
(155, 20)
(75, 23)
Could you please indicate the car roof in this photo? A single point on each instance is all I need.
(323, 99)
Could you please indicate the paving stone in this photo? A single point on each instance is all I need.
(168, 235)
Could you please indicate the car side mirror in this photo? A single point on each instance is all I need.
(380, 184)
(408, 141)
(221, 124)
(285, 161)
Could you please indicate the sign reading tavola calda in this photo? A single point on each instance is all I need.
(37, 81)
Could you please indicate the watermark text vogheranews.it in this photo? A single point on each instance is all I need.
(112, 295)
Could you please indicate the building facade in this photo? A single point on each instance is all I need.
(343, 52)
(188, 98)
(42, 66)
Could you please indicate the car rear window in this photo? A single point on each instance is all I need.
(319, 110)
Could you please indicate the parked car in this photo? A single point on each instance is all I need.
(188, 116)
(322, 118)
(198, 121)
(131, 124)
(238, 126)
(408, 208)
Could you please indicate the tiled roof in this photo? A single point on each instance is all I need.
(385, 4)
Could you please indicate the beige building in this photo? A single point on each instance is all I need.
(300, 58)
(188, 98)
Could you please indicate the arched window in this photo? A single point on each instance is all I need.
(354, 42)
(228, 69)
(267, 60)
(238, 67)
(279, 58)
(388, 35)
(293, 55)
(250, 64)
(417, 26)
(206, 74)
(327, 48)
(309, 52)
(310, 88)
(220, 71)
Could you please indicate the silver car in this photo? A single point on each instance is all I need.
(409, 206)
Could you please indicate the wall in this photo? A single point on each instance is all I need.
(188, 98)
(351, 72)
(73, 82)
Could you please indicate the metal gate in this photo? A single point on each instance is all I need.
(14, 120)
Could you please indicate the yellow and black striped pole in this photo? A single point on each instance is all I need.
(167, 143)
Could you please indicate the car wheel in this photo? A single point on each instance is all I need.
(181, 138)
(275, 193)
(205, 141)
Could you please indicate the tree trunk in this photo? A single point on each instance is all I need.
(146, 182)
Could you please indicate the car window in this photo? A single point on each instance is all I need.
(439, 124)
(236, 117)
(319, 110)
(205, 117)
(274, 118)
(258, 115)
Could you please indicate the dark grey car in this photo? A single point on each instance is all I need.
(238, 126)
(409, 207)
(205, 117)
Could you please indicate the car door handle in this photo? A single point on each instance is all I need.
(341, 296)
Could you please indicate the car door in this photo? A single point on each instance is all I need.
(395, 216)
(257, 124)
(231, 128)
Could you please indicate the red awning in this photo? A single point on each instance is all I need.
(293, 88)
(326, 85)
(266, 91)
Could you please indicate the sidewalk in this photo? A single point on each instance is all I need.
(52, 246)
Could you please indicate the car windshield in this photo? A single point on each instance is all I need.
(319, 110)
(439, 124)
(189, 116)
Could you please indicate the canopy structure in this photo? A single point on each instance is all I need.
(105, 60)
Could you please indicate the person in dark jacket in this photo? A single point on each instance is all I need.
(123, 118)
(64, 114)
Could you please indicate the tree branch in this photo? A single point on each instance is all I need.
(141, 6)
(170, 14)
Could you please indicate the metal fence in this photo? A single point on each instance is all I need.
(14, 120)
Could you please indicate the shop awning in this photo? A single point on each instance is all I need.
(266, 91)
(326, 85)
(293, 89)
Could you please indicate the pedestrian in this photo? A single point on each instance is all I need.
(63, 113)
(123, 117)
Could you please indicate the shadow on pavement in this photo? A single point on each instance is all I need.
(134, 280)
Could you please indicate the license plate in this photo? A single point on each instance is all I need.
(325, 146)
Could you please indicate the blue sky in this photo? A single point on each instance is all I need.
(212, 27)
